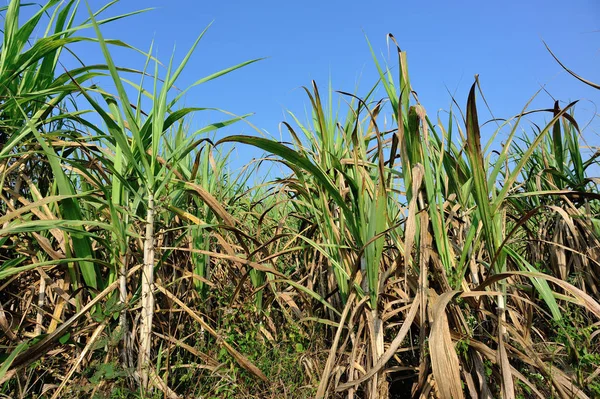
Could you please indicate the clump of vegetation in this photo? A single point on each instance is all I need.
(394, 260)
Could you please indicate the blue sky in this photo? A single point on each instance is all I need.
(447, 44)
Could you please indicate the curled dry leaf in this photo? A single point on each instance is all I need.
(444, 360)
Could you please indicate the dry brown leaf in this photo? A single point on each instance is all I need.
(389, 353)
(444, 360)
(507, 384)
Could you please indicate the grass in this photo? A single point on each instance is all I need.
(395, 259)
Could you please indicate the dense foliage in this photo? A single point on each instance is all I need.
(399, 257)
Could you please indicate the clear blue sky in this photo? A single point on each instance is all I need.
(447, 44)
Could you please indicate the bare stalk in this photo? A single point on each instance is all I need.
(379, 384)
(123, 325)
(39, 319)
(147, 307)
